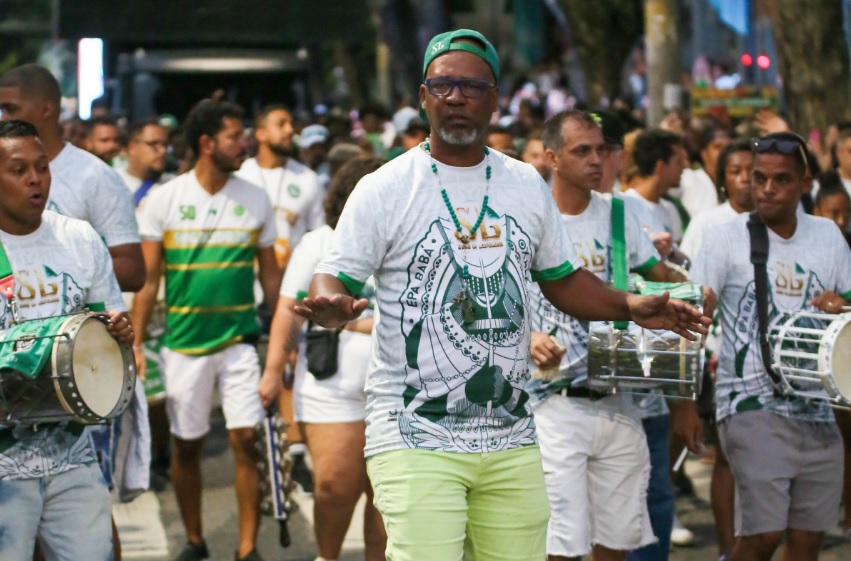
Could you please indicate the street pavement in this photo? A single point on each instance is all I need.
(151, 529)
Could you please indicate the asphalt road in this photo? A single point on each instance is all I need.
(220, 519)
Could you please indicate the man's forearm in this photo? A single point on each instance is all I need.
(143, 306)
(583, 296)
(128, 264)
(283, 337)
(327, 285)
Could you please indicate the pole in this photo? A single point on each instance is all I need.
(662, 52)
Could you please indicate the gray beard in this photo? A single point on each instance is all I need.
(458, 139)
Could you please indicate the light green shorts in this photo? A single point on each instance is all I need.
(442, 506)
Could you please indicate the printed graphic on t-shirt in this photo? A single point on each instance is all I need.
(793, 288)
(467, 348)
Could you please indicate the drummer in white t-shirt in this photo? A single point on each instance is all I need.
(50, 484)
(330, 408)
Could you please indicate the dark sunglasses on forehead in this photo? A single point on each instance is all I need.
(470, 88)
(791, 145)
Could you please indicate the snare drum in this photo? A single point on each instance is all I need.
(638, 359)
(64, 368)
(811, 351)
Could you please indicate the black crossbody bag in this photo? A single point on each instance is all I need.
(323, 347)
(759, 258)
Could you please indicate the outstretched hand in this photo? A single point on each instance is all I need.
(331, 312)
(664, 312)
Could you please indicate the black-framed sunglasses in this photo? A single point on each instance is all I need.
(791, 145)
(470, 88)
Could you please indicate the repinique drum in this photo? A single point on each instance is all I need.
(64, 368)
(638, 359)
(811, 351)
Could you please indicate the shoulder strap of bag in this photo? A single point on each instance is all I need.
(759, 257)
(619, 266)
(142, 191)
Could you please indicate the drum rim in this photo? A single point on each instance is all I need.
(67, 392)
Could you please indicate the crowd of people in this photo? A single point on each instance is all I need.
(424, 283)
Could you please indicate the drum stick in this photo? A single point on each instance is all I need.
(681, 459)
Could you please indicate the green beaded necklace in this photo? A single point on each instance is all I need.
(465, 238)
(464, 299)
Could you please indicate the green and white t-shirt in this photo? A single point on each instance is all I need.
(210, 245)
(296, 197)
(85, 188)
(449, 373)
(59, 269)
(591, 236)
(815, 259)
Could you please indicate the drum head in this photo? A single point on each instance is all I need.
(840, 360)
(98, 367)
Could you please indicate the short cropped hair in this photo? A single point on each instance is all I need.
(135, 130)
(35, 82)
(260, 117)
(652, 146)
(207, 118)
(17, 129)
(552, 134)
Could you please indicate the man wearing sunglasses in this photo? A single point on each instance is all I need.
(451, 230)
(785, 452)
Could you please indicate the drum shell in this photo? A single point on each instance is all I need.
(53, 396)
(614, 361)
(810, 353)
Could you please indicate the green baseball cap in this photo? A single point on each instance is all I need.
(450, 41)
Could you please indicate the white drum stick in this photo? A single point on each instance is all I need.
(680, 460)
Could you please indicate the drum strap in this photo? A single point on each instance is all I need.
(619, 267)
(759, 257)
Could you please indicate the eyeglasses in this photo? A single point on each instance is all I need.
(471, 89)
(791, 145)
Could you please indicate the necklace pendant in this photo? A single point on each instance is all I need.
(468, 310)
(465, 239)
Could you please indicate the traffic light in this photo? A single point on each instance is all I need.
(746, 59)
(763, 61)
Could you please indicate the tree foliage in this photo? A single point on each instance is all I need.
(814, 60)
(603, 32)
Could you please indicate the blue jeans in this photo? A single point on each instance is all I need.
(70, 512)
(660, 493)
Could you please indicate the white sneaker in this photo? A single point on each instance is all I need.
(680, 535)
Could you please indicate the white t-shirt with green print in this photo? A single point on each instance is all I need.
(449, 373)
(60, 269)
(815, 259)
(590, 234)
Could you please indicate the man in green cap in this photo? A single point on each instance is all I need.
(451, 230)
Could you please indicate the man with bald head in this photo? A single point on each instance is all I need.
(83, 187)
(450, 231)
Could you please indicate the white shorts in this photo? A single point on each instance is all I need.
(190, 381)
(340, 398)
(597, 469)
